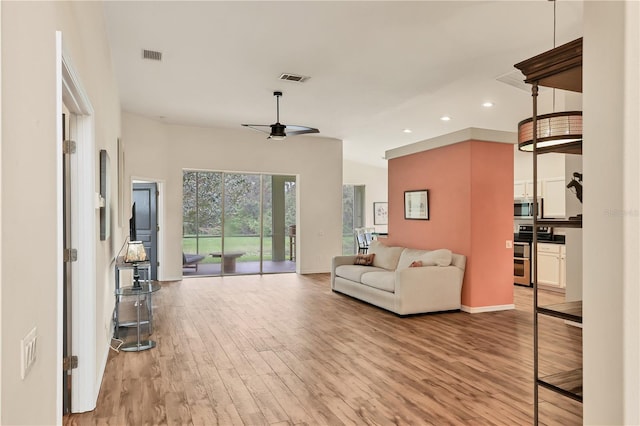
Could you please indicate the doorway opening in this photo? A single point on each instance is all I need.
(76, 336)
(145, 198)
(352, 216)
(238, 223)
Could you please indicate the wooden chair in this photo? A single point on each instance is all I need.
(361, 240)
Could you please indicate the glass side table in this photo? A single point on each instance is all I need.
(144, 269)
(145, 289)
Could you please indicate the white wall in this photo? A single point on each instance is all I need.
(30, 250)
(375, 180)
(611, 213)
(155, 150)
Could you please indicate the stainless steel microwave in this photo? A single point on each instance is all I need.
(523, 208)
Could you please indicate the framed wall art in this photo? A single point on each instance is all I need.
(380, 213)
(416, 204)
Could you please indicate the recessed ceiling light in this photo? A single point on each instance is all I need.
(406, 130)
(487, 104)
(445, 118)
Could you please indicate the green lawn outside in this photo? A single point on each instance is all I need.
(348, 245)
(250, 245)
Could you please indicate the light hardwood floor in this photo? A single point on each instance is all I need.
(285, 350)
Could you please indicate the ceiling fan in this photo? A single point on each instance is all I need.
(278, 131)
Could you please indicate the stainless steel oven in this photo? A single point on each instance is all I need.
(521, 250)
(522, 263)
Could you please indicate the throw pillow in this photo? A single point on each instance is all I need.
(440, 257)
(386, 257)
(416, 264)
(364, 259)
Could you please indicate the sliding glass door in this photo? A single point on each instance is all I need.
(242, 237)
(238, 222)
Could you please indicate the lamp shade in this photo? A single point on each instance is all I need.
(558, 128)
(278, 132)
(135, 252)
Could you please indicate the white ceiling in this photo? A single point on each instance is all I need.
(376, 68)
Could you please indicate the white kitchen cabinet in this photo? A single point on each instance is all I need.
(563, 266)
(554, 197)
(524, 189)
(519, 189)
(549, 264)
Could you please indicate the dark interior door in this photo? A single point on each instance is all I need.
(145, 195)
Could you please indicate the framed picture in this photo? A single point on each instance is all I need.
(416, 204)
(380, 213)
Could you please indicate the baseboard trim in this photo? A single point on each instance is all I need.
(481, 309)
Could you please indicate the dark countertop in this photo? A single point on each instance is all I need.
(557, 239)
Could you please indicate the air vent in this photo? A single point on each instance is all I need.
(516, 79)
(152, 55)
(294, 77)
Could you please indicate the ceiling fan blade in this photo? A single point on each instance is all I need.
(264, 128)
(279, 131)
(300, 130)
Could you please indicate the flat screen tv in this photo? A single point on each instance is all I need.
(133, 236)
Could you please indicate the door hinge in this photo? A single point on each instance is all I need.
(70, 255)
(69, 147)
(157, 263)
(158, 228)
(69, 363)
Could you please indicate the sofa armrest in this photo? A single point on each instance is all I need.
(337, 261)
(440, 287)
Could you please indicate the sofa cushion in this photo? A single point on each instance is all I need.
(385, 257)
(364, 259)
(382, 280)
(354, 272)
(440, 257)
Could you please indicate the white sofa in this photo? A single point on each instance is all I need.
(392, 284)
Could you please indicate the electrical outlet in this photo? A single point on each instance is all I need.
(509, 244)
(28, 350)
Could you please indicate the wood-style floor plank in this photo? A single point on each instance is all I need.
(285, 350)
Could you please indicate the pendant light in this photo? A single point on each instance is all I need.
(558, 128)
(553, 130)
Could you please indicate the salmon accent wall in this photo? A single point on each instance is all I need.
(470, 212)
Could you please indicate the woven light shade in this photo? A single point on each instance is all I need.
(135, 252)
(558, 128)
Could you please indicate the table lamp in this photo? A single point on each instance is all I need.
(135, 254)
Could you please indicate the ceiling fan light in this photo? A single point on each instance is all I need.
(554, 129)
(277, 131)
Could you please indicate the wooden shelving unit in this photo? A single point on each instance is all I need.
(570, 311)
(561, 223)
(559, 68)
(568, 383)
